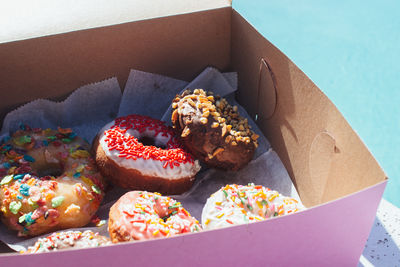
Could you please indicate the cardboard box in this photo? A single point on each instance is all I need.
(335, 174)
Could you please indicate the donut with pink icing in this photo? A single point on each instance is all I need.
(139, 152)
(140, 215)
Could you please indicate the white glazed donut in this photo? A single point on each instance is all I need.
(239, 204)
(138, 152)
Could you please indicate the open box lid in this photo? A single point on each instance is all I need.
(21, 20)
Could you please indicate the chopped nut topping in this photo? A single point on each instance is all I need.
(214, 125)
(174, 116)
(185, 132)
(203, 120)
(217, 151)
(191, 102)
(223, 115)
(206, 114)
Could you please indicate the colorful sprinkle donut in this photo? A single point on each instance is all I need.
(138, 152)
(213, 130)
(68, 240)
(239, 204)
(48, 181)
(139, 215)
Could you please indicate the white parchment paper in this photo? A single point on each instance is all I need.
(91, 107)
(86, 110)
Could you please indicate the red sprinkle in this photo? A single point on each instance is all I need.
(57, 143)
(95, 219)
(130, 147)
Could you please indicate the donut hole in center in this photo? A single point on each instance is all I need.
(50, 169)
(150, 141)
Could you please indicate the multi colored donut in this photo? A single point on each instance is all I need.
(239, 204)
(68, 240)
(140, 215)
(49, 181)
(213, 130)
(138, 152)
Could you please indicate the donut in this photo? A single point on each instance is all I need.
(67, 240)
(49, 181)
(239, 204)
(141, 153)
(141, 215)
(213, 130)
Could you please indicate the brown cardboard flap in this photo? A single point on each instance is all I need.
(322, 151)
(323, 155)
(51, 67)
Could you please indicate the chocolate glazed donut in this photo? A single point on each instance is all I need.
(213, 130)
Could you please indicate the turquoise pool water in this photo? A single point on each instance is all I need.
(351, 50)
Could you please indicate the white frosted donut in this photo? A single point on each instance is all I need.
(239, 204)
(49, 181)
(138, 152)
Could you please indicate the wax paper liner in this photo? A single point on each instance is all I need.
(86, 110)
(265, 169)
(151, 94)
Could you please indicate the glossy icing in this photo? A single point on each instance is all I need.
(240, 204)
(146, 215)
(120, 142)
(48, 181)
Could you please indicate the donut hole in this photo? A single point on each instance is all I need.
(151, 141)
(50, 169)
